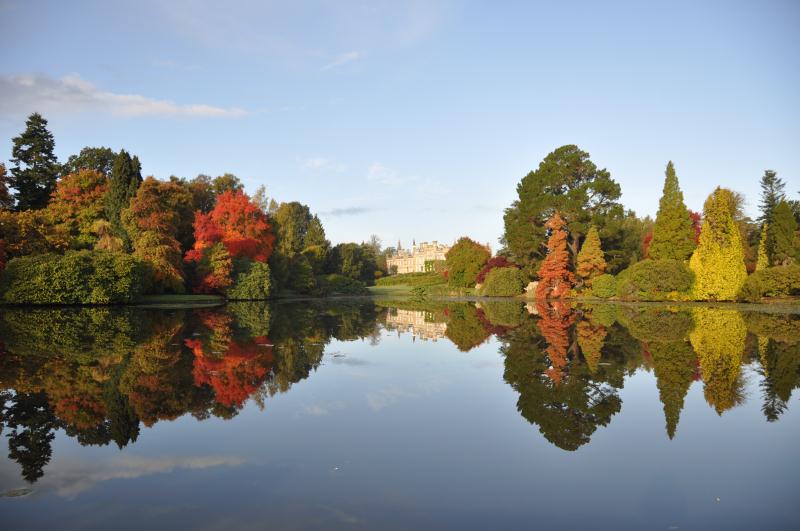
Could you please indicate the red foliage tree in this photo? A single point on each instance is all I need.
(555, 278)
(646, 241)
(497, 261)
(555, 319)
(697, 224)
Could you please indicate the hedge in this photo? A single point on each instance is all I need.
(779, 281)
(603, 286)
(654, 280)
(503, 282)
(412, 279)
(76, 277)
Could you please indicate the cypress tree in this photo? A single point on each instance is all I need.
(673, 235)
(762, 262)
(772, 193)
(555, 278)
(718, 261)
(125, 179)
(36, 168)
(782, 236)
(591, 262)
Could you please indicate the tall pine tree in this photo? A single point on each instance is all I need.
(126, 176)
(718, 262)
(772, 193)
(673, 234)
(35, 168)
(782, 235)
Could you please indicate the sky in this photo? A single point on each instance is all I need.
(414, 120)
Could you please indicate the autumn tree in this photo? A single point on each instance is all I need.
(591, 262)
(673, 236)
(465, 259)
(35, 167)
(782, 240)
(493, 263)
(76, 204)
(566, 181)
(555, 278)
(153, 221)
(718, 261)
(125, 179)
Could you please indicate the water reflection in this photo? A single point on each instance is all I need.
(102, 374)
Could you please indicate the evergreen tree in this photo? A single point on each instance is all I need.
(772, 193)
(6, 199)
(591, 262)
(36, 168)
(762, 261)
(718, 262)
(673, 235)
(782, 243)
(555, 278)
(126, 176)
(465, 259)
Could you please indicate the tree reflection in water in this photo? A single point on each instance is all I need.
(100, 373)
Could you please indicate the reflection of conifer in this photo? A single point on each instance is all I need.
(780, 362)
(31, 426)
(591, 338)
(673, 364)
(718, 339)
(555, 318)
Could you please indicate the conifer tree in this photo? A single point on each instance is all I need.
(673, 235)
(6, 199)
(772, 193)
(762, 262)
(35, 168)
(718, 261)
(125, 179)
(555, 278)
(782, 244)
(591, 262)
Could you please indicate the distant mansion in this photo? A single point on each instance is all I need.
(418, 259)
(421, 324)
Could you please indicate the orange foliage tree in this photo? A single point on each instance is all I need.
(555, 278)
(555, 320)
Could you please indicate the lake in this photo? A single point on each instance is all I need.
(400, 414)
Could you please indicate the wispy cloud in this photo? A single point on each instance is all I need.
(24, 93)
(320, 164)
(343, 59)
(349, 211)
(381, 174)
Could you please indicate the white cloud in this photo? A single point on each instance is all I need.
(320, 163)
(381, 174)
(343, 59)
(73, 94)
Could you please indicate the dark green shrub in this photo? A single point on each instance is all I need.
(252, 282)
(77, 277)
(503, 282)
(604, 286)
(654, 280)
(412, 279)
(779, 281)
(335, 284)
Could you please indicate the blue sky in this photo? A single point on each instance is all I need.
(414, 119)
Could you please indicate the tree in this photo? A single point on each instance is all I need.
(35, 168)
(464, 261)
(126, 176)
(566, 181)
(763, 258)
(718, 261)
(772, 193)
(555, 278)
(673, 235)
(352, 260)
(100, 159)
(6, 199)
(76, 204)
(292, 222)
(782, 241)
(495, 262)
(591, 262)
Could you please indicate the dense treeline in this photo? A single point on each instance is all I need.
(93, 230)
(568, 232)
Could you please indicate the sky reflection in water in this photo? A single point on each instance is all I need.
(362, 414)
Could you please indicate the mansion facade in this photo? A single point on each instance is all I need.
(418, 259)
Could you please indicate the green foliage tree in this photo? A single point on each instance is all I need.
(126, 176)
(252, 282)
(352, 260)
(99, 159)
(503, 282)
(6, 199)
(464, 261)
(763, 258)
(782, 241)
(35, 167)
(591, 262)
(566, 181)
(718, 261)
(673, 234)
(772, 193)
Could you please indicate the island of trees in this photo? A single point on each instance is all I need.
(91, 230)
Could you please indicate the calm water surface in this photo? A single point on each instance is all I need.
(400, 415)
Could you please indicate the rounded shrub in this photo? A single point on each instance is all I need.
(252, 283)
(76, 277)
(654, 280)
(604, 286)
(503, 282)
(779, 281)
